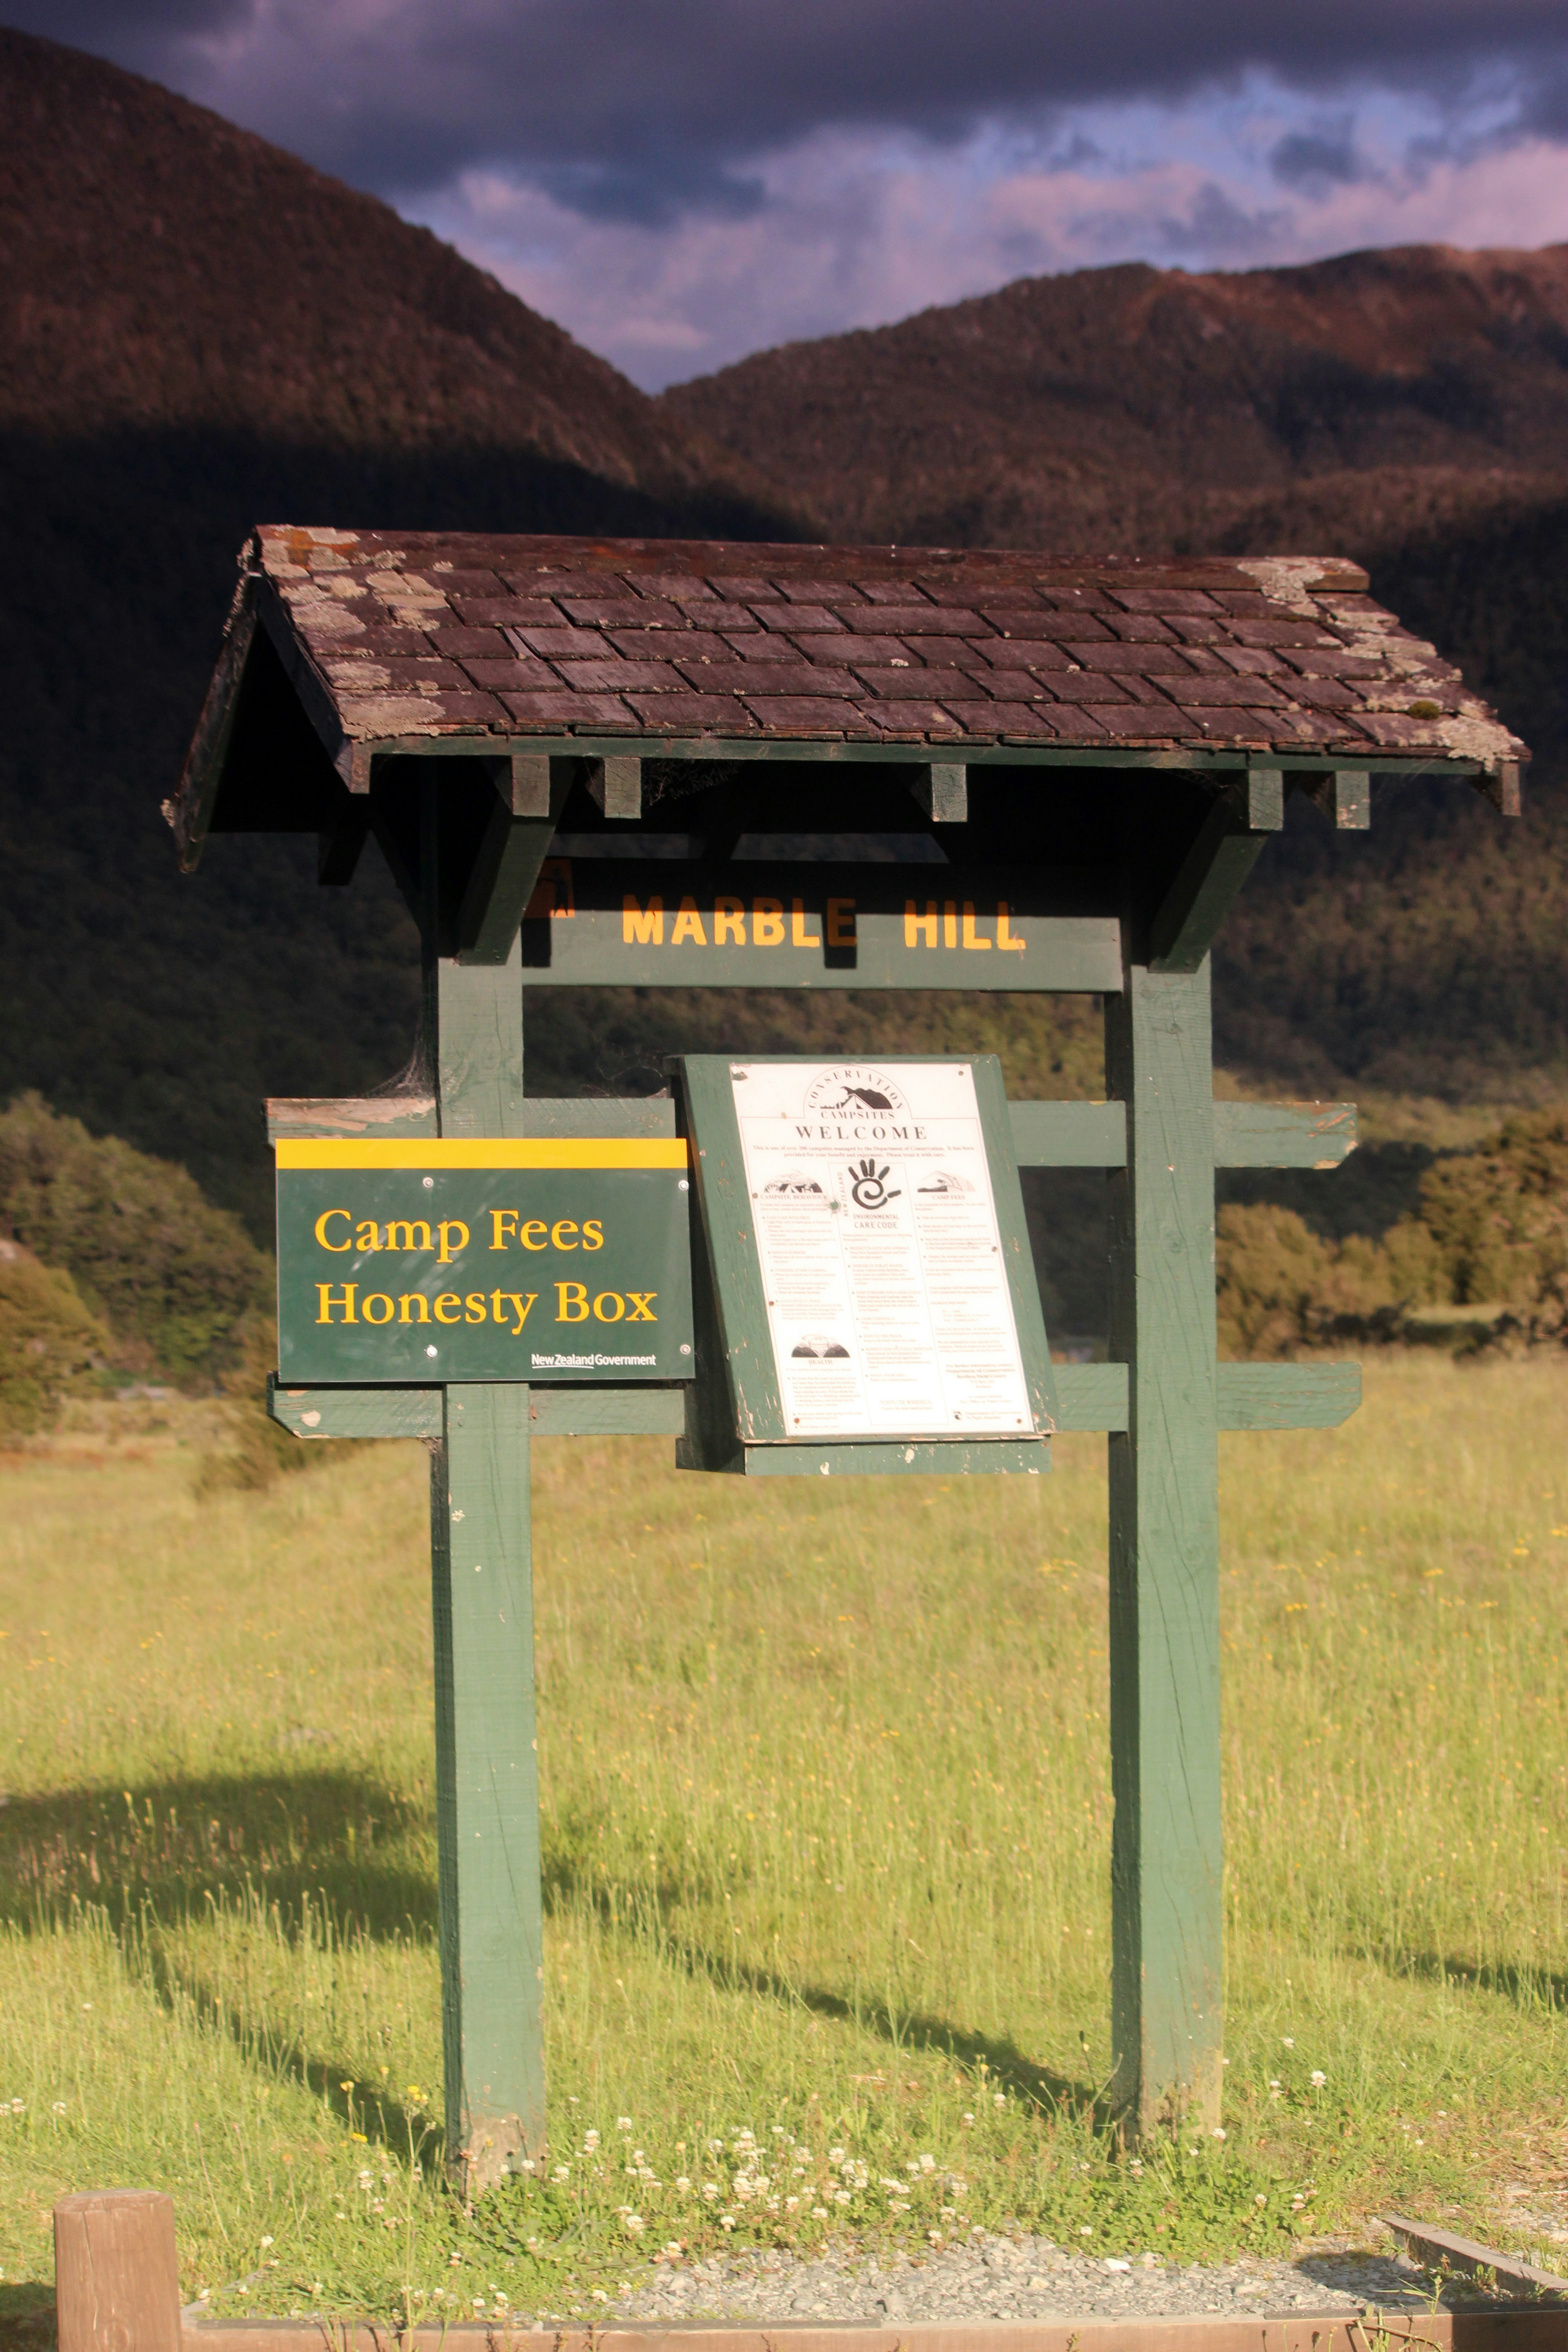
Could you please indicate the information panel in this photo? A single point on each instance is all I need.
(888, 1296)
(430, 1261)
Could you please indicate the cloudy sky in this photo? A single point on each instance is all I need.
(680, 182)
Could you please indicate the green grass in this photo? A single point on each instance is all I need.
(826, 1827)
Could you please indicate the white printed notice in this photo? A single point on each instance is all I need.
(887, 1291)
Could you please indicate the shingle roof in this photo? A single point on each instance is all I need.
(412, 635)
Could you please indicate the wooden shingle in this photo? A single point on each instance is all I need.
(407, 641)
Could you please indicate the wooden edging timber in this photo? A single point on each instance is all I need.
(117, 2290)
(1496, 2330)
(1440, 2249)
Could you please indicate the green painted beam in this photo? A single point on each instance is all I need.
(389, 1115)
(1287, 1396)
(599, 1115)
(354, 1413)
(1166, 1852)
(1091, 1397)
(1246, 1134)
(1070, 1134)
(1045, 1134)
(312, 1413)
(1249, 1396)
(1283, 1135)
(412, 1115)
(609, 1413)
(941, 1458)
(1205, 759)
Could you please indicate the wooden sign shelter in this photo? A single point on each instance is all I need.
(601, 762)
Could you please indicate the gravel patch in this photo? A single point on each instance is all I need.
(991, 2278)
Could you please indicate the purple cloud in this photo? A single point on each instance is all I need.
(624, 110)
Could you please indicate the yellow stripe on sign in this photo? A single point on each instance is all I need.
(483, 1152)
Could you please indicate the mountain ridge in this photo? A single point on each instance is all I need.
(1072, 411)
(119, 307)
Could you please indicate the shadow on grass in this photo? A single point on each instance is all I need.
(383, 2119)
(292, 1839)
(1527, 1987)
(333, 1842)
(1000, 2063)
(1004, 2065)
(27, 2317)
(311, 1852)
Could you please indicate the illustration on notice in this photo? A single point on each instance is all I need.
(887, 1292)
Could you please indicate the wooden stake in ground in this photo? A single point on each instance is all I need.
(117, 2277)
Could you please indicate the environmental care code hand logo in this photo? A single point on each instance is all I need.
(869, 1186)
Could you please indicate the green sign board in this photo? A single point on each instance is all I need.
(429, 1261)
(652, 923)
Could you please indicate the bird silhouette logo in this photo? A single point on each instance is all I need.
(869, 1186)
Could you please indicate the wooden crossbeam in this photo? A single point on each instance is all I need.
(311, 1412)
(1246, 1134)
(944, 1457)
(1251, 1396)
(1089, 1397)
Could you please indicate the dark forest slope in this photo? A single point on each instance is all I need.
(197, 332)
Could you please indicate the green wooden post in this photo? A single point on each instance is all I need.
(487, 1783)
(487, 1760)
(1166, 2011)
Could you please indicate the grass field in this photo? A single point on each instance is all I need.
(827, 1831)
